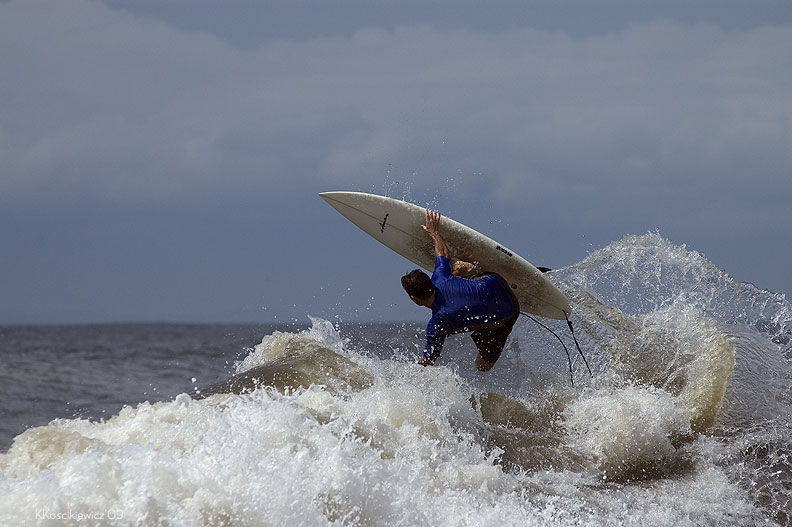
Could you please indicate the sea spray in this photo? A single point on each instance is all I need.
(626, 433)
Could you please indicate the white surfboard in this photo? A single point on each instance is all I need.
(397, 225)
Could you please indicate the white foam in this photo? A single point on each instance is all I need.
(282, 344)
(626, 431)
(408, 450)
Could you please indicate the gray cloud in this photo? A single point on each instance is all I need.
(122, 105)
(663, 124)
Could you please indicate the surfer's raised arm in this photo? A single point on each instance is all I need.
(432, 223)
(459, 267)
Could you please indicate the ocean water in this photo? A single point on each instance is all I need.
(686, 420)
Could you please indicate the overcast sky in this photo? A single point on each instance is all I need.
(161, 160)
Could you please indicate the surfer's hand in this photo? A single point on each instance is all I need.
(432, 221)
(462, 269)
(425, 361)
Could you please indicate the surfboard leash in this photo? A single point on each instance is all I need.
(572, 330)
(569, 357)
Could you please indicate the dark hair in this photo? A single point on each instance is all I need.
(418, 284)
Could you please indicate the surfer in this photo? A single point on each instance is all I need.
(483, 305)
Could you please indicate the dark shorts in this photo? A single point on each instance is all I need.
(490, 341)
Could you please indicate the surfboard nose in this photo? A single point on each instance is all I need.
(335, 198)
(338, 199)
(331, 194)
(328, 197)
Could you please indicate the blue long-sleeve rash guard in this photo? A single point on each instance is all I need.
(462, 305)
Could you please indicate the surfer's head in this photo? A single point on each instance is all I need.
(418, 285)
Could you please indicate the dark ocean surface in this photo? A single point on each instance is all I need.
(91, 371)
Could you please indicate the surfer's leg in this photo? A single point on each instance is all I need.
(482, 365)
(490, 345)
(490, 342)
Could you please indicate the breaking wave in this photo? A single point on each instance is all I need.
(686, 420)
